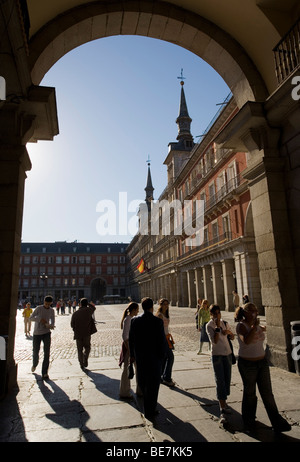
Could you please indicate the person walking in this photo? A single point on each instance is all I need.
(163, 313)
(254, 369)
(217, 332)
(44, 318)
(235, 299)
(147, 344)
(130, 312)
(83, 325)
(203, 319)
(27, 322)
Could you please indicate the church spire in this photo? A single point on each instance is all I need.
(149, 187)
(183, 120)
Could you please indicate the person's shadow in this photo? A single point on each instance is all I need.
(165, 421)
(67, 413)
(235, 425)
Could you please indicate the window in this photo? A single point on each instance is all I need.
(215, 230)
(226, 225)
(212, 190)
(73, 260)
(58, 260)
(26, 260)
(58, 270)
(35, 259)
(66, 259)
(99, 259)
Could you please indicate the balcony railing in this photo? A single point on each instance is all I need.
(207, 246)
(287, 53)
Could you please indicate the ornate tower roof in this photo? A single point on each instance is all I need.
(183, 120)
(149, 187)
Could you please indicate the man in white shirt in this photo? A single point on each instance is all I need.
(43, 317)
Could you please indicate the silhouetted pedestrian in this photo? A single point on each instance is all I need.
(43, 317)
(83, 325)
(147, 343)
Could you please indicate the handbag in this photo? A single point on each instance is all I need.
(233, 358)
(130, 371)
(170, 341)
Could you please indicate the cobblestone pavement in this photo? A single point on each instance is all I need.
(107, 340)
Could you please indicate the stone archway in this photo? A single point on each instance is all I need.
(158, 20)
(98, 289)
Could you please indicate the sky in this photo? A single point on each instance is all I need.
(117, 101)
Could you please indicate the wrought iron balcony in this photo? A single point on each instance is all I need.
(287, 53)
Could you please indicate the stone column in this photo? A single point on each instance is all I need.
(228, 282)
(14, 161)
(207, 284)
(173, 284)
(218, 289)
(183, 290)
(198, 284)
(192, 301)
(280, 294)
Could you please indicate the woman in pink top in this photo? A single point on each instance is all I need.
(254, 369)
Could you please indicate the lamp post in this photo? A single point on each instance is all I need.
(43, 277)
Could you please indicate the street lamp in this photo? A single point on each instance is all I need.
(43, 277)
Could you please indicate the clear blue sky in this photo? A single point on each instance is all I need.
(117, 99)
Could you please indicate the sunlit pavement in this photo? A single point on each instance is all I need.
(79, 406)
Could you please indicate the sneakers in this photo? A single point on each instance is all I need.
(223, 419)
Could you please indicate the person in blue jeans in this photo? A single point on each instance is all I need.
(254, 369)
(217, 331)
(43, 317)
(163, 313)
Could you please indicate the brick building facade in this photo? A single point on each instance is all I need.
(72, 270)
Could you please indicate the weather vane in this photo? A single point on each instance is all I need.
(181, 77)
(148, 160)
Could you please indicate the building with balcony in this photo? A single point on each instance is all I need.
(72, 270)
(220, 256)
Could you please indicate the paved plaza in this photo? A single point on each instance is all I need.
(78, 406)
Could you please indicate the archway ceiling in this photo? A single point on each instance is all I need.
(257, 25)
